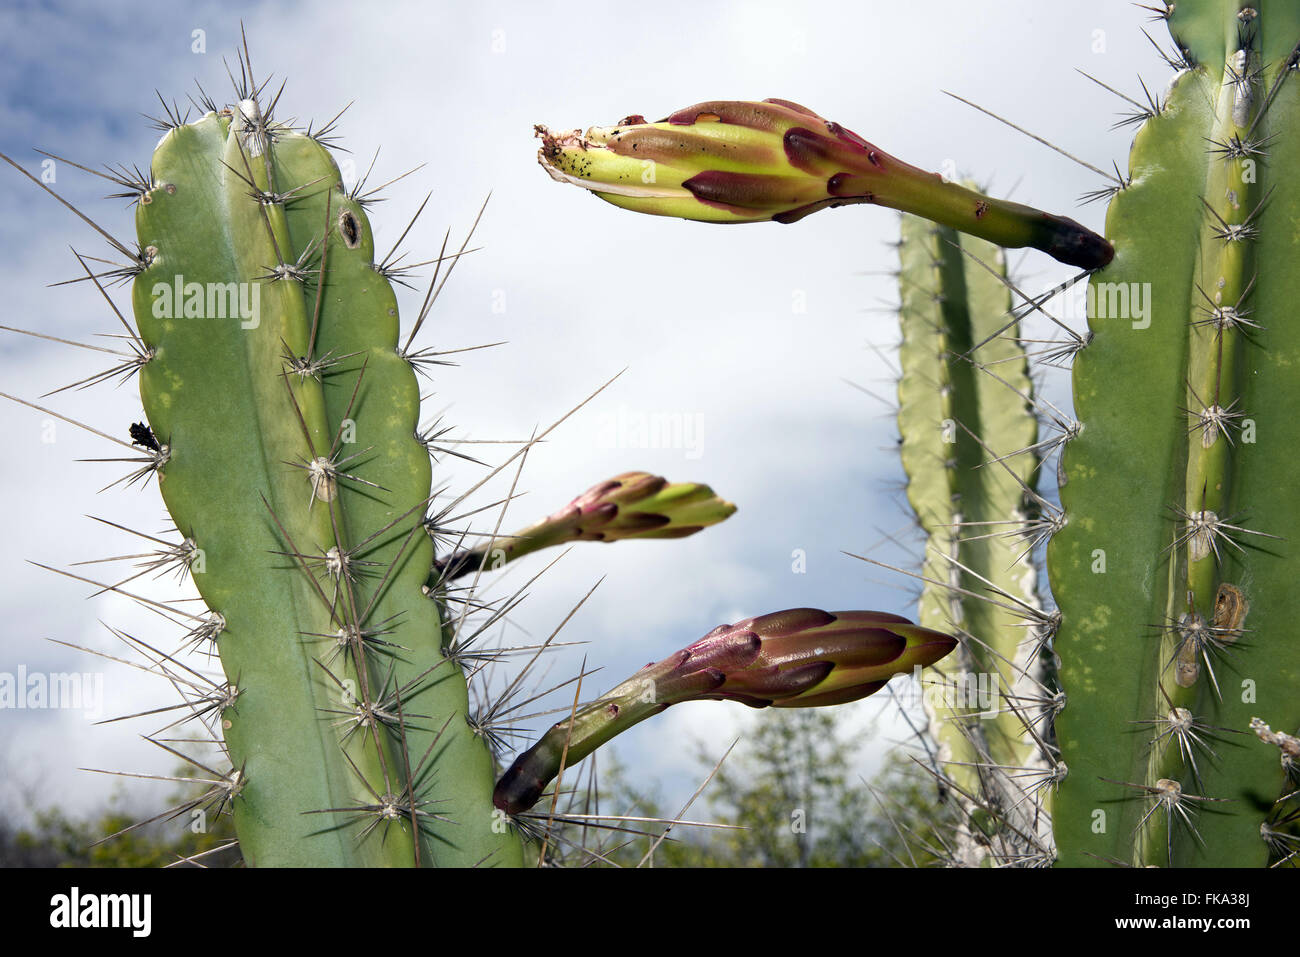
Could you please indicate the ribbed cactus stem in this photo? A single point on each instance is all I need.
(968, 436)
(1174, 572)
(1226, 272)
(308, 555)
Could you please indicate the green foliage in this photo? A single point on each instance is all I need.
(792, 790)
(116, 837)
(789, 796)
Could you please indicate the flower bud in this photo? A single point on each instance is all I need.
(800, 658)
(740, 162)
(631, 505)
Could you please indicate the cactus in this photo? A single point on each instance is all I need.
(1171, 539)
(282, 428)
(1174, 572)
(968, 445)
(283, 436)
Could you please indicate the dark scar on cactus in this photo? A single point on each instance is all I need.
(349, 229)
(141, 434)
(1230, 609)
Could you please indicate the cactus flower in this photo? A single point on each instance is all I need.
(631, 505)
(741, 162)
(800, 658)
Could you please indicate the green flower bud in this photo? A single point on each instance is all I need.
(742, 162)
(631, 505)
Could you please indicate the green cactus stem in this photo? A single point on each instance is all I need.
(294, 467)
(1175, 573)
(633, 505)
(968, 438)
(740, 162)
(800, 658)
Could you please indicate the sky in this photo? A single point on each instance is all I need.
(752, 336)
